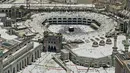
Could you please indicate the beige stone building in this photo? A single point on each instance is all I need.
(19, 56)
(52, 41)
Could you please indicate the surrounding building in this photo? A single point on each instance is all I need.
(13, 12)
(19, 56)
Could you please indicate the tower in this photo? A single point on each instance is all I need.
(114, 52)
(126, 44)
(128, 27)
(52, 41)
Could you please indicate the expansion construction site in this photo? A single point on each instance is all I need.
(64, 36)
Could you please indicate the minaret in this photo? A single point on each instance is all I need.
(114, 52)
(126, 42)
(1, 61)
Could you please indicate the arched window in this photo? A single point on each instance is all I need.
(32, 58)
(13, 70)
(17, 67)
(54, 49)
(22, 64)
(25, 62)
(35, 55)
(38, 53)
(8, 71)
(49, 48)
